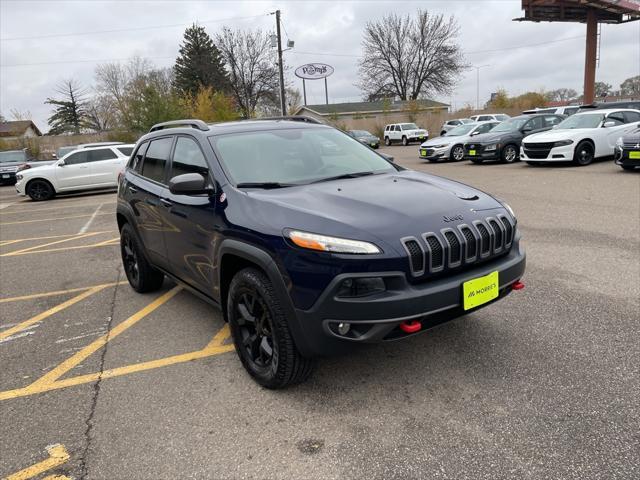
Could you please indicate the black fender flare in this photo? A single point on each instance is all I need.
(267, 264)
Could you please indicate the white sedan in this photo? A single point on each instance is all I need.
(450, 146)
(81, 170)
(581, 138)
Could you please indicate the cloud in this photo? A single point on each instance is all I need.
(330, 28)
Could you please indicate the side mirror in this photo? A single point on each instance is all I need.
(475, 133)
(189, 184)
(608, 124)
(61, 163)
(389, 158)
(526, 131)
(54, 156)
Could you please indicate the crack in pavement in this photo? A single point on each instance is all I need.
(96, 387)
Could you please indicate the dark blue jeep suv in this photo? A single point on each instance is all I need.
(309, 241)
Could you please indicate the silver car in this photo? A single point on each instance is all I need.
(451, 124)
(450, 146)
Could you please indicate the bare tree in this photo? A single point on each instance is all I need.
(101, 113)
(562, 94)
(252, 70)
(20, 114)
(410, 57)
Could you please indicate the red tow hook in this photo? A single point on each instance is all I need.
(411, 326)
(517, 286)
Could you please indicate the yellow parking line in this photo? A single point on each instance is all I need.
(75, 247)
(16, 240)
(61, 207)
(58, 292)
(51, 311)
(47, 380)
(58, 455)
(112, 241)
(29, 249)
(53, 219)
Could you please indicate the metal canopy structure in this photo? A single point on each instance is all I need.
(590, 12)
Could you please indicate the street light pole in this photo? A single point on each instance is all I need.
(478, 83)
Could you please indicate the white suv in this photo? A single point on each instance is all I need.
(451, 124)
(490, 117)
(86, 169)
(405, 133)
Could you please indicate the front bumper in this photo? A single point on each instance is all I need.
(481, 153)
(430, 153)
(622, 158)
(376, 318)
(554, 154)
(7, 177)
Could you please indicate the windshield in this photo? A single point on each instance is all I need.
(460, 130)
(294, 156)
(62, 151)
(361, 133)
(13, 156)
(510, 125)
(466, 120)
(408, 126)
(583, 120)
(502, 117)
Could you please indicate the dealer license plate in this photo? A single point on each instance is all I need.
(479, 291)
(634, 155)
(423, 152)
(472, 152)
(6, 175)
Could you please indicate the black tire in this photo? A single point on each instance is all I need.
(432, 160)
(387, 141)
(477, 161)
(260, 332)
(142, 276)
(40, 190)
(442, 133)
(583, 154)
(509, 153)
(534, 164)
(629, 168)
(405, 141)
(457, 153)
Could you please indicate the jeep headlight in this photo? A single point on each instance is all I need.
(508, 207)
(491, 148)
(323, 243)
(562, 143)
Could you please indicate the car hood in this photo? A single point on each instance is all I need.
(368, 138)
(488, 137)
(10, 166)
(440, 141)
(379, 208)
(557, 135)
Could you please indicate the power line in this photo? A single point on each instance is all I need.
(133, 29)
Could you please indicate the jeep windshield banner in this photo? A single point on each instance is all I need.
(314, 71)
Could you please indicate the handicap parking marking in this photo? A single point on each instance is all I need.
(51, 380)
(58, 456)
(53, 219)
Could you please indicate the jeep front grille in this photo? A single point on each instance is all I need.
(467, 244)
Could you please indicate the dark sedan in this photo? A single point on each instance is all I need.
(365, 137)
(503, 142)
(627, 152)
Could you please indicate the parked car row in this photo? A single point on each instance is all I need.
(589, 134)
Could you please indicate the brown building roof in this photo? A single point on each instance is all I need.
(17, 128)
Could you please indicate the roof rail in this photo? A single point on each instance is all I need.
(193, 123)
(293, 118)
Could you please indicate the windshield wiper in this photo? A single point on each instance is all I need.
(265, 185)
(344, 175)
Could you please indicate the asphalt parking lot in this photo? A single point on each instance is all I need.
(99, 382)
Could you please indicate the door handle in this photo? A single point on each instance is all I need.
(166, 203)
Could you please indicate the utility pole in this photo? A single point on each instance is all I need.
(283, 103)
(478, 83)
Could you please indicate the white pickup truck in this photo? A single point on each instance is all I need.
(405, 133)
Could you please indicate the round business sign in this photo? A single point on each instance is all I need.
(314, 71)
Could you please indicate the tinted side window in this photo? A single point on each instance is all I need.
(551, 120)
(102, 154)
(485, 128)
(535, 123)
(136, 161)
(617, 117)
(397, 128)
(126, 151)
(631, 117)
(78, 157)
(156, 159)
(188, 158)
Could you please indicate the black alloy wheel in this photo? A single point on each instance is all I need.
(141, 275)
(256, 329)
(40, 190)
(130, 259)
(584, 154)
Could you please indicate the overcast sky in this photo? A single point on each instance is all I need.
(71, 42)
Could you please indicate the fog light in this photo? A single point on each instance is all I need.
(359, 287)
(343, 328)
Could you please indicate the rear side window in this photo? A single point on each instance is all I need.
(551, 120)
(102, 154)
(617, 117)
(188, 158)
(156, 159)
(486, 127)
(78, 157)
(126, 151)
(135, 163)
(632, 117)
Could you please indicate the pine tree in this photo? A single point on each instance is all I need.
(70, 114)
(199, 64)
